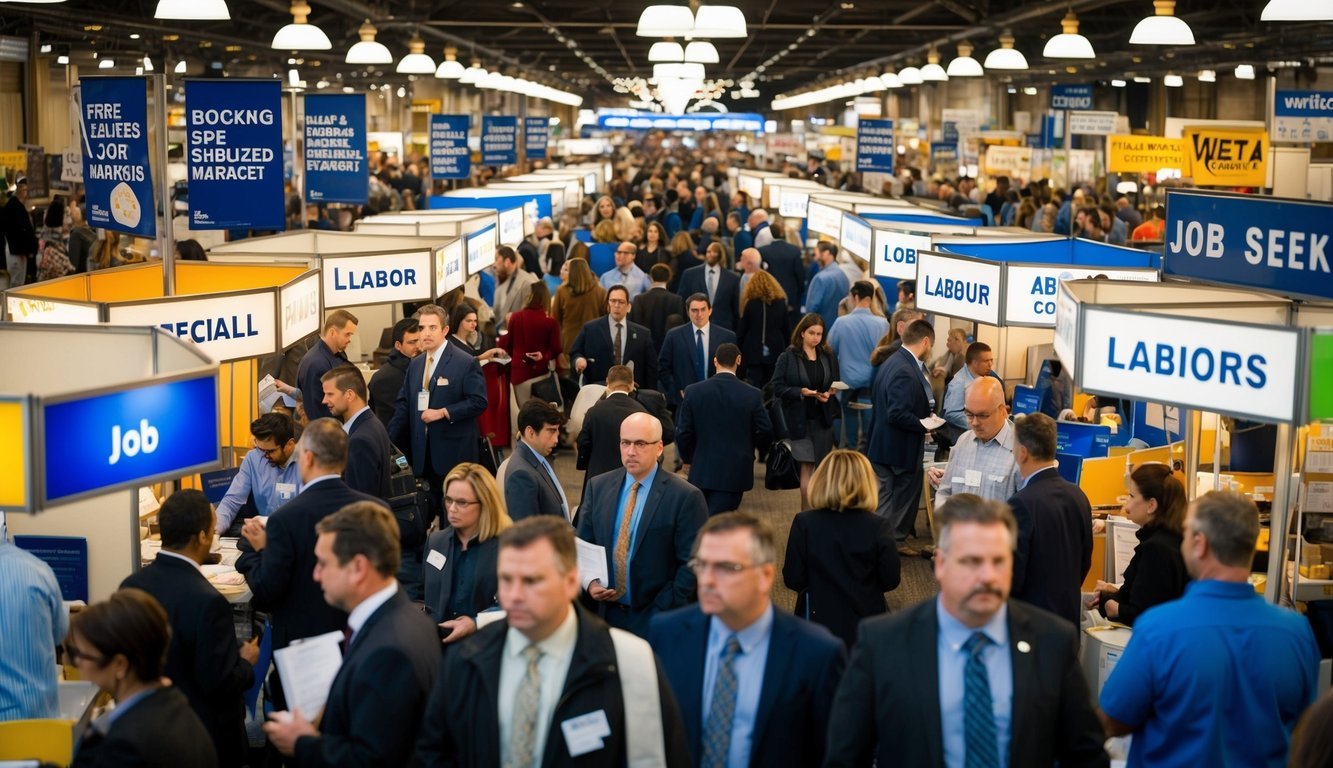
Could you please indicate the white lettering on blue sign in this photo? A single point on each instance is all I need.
(213, 328)
(359, 279)
(130, 442)
(1304, 250)
(1202, 364)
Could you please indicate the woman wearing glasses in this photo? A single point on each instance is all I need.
(460, 559)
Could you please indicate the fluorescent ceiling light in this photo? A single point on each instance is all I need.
(368, 51)
(1244, 71)
(702, 52)
(301, 35)
(666, 51)
(1163, 27)
(1297, 10)
(109, 63)
(450, 68)
(1069, 44)
(1173, 81)
(192, 10)
(910, 76)
(1006, 56)
(964, 65)
(665, 21)
(416, 62)
(1117, 83)
(719, 21)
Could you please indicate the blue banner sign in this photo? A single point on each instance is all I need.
(129, 437)
(450, 157)
(647, 121)
(1255, 242)
(116, 177)
(949, 133)
(1074, 97)
(335, 148)
(536, 134)
(68, 558)
(874, 145)
(234, 147)
(1302, 116)
(499, 139)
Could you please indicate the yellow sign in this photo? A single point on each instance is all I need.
(1142, 154)
(14, 444)
(1225, 158)
(16, 160)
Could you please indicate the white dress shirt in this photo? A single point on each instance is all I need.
(557, 651)
(357, 618)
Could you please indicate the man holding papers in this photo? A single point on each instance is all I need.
(376, 701)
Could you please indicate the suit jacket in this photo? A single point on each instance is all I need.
(457, 384)
(281, 576)
(680, 264)
(789, 378)
(599, 440)
(203, 660)
(318, 360)
(887, 706)
(369, 454)
(783, 262)
(801, 676)
(659, 310)
(730, 413)
(675, 365)
(440, 581)
(659, 577)
(594, 344)
(380, 692)
(160, 731)
(1054, 544)
(384, 385)
(896, 437)
(758, 327)
(461, 729)
(726, 299)
(528, 487)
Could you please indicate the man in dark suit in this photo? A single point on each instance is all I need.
(1054, 524)
(328, 352)
(722, 286)
(658, 309)
(614, 340)
(783, 262)
(770, 694)
(435, 416)
(203, 659)
(970, 676)
(688, 352)
(896, 444)
(369, 451)
(386, 382)
(599, 440)
(530, 484)
(392, 654)
(730, 413)
(647, 520)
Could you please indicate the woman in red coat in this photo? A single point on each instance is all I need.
(533, 341)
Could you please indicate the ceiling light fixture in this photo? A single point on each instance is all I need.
(719, 21)
(665, 21)
(180, 67)
(1244, 71)
(933, 72)
(1207, 76)
(910, 76)
(690, 71)
(666, 51)
(964, 65)
(416, 62)
(1297, 10)
(1006, 56)
(1142, 79)
(301, 35)
(108, 64)
(1173, 81)
(472, 74)
(1118, 83)
(147, 64)
(368, 51)
(450, 68)
(1163, 27)
(1069, 44)
(891, 79)
(701, 52)
(192, 10)
(62, 59)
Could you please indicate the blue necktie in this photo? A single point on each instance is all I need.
(717, 731)
(981, 750)
(700, 362)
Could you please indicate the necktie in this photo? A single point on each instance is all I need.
(700, 362)
(526, 702)
(717, 731)
(712, 283)
(925, 382)
(347, 638)
(615, 352)
(980, 747)
(621, 552)
(430, 366)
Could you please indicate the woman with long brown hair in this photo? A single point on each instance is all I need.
(802, 381)
(579, 300)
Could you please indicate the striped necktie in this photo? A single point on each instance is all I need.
(981, 750)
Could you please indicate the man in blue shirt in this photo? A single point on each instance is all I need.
(1218, 677)
(828, 286)
(853, 337)
(268, 477)
(979, 361)
(626, 272)
(35, 622)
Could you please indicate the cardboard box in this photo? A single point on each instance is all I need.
(1102, 648)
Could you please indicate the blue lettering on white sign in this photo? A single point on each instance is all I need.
(118, 185)
(874, 145)
(358, 279)
(450, 157)
(213, 328)
(335, 148)
(1071, 97)
(499, 140)
(966, 291)
(233, 131)
(1201, 364)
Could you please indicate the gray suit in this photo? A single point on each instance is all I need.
(528, 489)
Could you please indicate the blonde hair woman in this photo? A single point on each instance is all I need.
(764, 327)
(626, 224)
(605, 232)
(460, 571)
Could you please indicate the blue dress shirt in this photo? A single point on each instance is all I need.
(257, 475)
(645, 486)
(827, 288)
(853, 338)
(999, 668)
(35, 622)
(749, 667)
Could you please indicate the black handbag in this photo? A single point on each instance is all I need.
(780, 470)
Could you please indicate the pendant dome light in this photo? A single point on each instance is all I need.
(891, 79)
(1163, 27)
(933, 72)
(666, 51)
(665, 21)
(301, 35)
(450, 68)
(368, 51)
(701, 52)
(1297, 10)
(416, 62)
(473, 74)
(192, 10)
(1006, 56)
(1069, 44)
(910, 76)
(964, 65)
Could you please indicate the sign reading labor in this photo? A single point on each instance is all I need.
(233, 131)
(117, 181)
(1225, 158)
(967, 289)
(895, 254)
(351, 281)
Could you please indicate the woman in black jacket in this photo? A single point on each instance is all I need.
(1156, 573)
(763, 329)
(803, 383)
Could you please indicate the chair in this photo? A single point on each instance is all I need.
(50, 741)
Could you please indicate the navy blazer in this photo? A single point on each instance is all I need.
(379, 695)
(726, 299)
(440, 581)
(783, 262)
(594, 344)
(369, 455)
(458, 385)
(801, 676)
(528, 488)
(896, 437)
(1054, 544)
(731, 414)
(659, 310)
(318, 360)
(161, 731)
(675, 365)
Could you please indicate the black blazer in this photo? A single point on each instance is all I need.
(384, 385)
(458, 385)
(658, 310)
(594, 344)
(1054, 544)
(731, 415)
(680, 264)
(1156, 574)
(160, 731)
(528, 487)
(888, 707)
(369, 453)
(782, 260)
(318, 360)
(378, 698)
(726, 299)
(758, 327)
(675, 365)
(896, 437)
(203, 660)
(440, 581)
(801, 675)
(789, 378)
(599, 440)
(281, 577)
(840, 564)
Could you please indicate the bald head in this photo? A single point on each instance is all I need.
(984, 405)
(750, 261)
(757, 217)
(640, 444)
(625, 253)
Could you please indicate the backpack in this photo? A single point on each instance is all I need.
(409, 501)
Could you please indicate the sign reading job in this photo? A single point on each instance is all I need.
(499, 140)
(118, 184)
(450, 157)
(874, 145)
(234, 147)
(335, 148)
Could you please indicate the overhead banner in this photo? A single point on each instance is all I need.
(450, 157)
(536, 134)
(1225, 158)
(1303, 116)
(499, 140)
(234, 148)
(1256, 242)
(1071, 97)
(874, 145)
(335, 148)
(117, 181)
(1142, 154)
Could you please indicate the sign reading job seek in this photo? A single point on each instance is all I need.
(126, 438)
(233, 131)
(499, 140)
(335, 148)
(450, 157)
(115, 155)
(874, 145)
(1255, 242)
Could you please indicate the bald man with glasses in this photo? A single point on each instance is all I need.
(626, 272)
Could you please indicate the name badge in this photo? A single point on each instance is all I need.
(423, 400)
(436, 558)
(584, 734)
(286, 491)
(972, 478)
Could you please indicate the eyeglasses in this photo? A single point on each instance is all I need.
(74, 655)
(638, 445)
(700, 567)
(626, 253)
(452, 502)
(270, 452)
(973, 416)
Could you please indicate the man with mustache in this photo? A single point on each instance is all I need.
(989, 681)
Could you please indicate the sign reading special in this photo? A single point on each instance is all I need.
(117, 181)
(499, 139)
(1142, 154)
(233, 134)
(874, 145)
(536, 134)
(335, 148)
(233, 326)
(450, 157)
(1225, 158)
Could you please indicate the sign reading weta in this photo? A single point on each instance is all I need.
(1225, 158)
